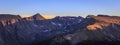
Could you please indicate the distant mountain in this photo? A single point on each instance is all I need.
(36, 30)
(35, 17)
(38, 17)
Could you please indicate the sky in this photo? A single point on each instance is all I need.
(60, 7)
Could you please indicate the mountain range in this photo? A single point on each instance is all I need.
(67, 30)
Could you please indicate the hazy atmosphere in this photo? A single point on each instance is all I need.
(60, 7)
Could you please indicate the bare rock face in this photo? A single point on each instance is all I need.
(103, 21)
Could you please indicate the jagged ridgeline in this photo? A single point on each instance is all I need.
(69, 30)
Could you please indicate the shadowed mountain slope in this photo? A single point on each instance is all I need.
(28, 32)
(103, 31)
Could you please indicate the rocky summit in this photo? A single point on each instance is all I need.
(68, 30)
(35, 17)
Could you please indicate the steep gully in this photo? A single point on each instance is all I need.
(36, 30)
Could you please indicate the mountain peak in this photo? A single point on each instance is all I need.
(38, 17)
(37, 14)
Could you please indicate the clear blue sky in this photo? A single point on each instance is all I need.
(60, 7)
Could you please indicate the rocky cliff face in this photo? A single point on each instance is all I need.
(7, 19)
(36, 30)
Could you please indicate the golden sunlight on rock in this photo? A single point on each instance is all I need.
(114, 19)
(94, 26)
(97, 25)
(103, 21)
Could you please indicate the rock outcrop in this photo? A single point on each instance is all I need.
(7, 19)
